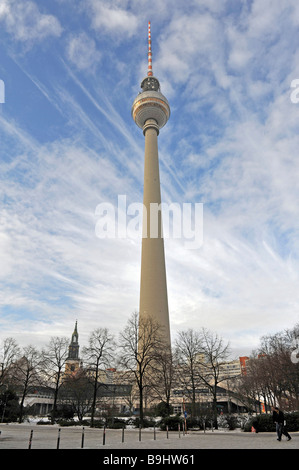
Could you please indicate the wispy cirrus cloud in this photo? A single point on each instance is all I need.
(52, 259)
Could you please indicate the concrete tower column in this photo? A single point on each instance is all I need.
(153, 286)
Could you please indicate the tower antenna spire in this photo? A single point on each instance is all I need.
(149, 66)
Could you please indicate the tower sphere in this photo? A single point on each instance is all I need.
(150, 104)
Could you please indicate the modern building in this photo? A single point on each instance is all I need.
(40, 400)
(151, 112)
(243, 362)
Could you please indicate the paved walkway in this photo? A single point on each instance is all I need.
(22, 436)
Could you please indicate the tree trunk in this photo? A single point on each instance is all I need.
(141, 405)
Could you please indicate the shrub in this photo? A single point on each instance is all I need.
(228, 421)
(67, 422)
(116, 423)
(261, 423)
(98, 423)
(147, 422)
(193, 423)
(172, 422)
(292, 420)
(162, 409)
(9, 406)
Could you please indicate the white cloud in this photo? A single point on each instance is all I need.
(240, 51)
(111, 17)
(81, 51)
(25, 22)
(185, 44)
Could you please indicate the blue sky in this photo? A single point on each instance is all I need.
(68, 143)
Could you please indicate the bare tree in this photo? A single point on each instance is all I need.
(271, 375)
(187, 350)
(77, 392)
(98, 356)
(54, 358)
(26, 374)
(9, 352)
(214, 354)
(163, 376)
(140, 343)
(276, 364)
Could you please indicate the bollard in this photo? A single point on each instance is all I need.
(179, 426)
(58, 439)
(139, 432)
(167, 432)
(30, 439)
(123, 435)
(104, 435)
(82, 439)
(154, 432)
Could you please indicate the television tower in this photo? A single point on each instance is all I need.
(151, 112)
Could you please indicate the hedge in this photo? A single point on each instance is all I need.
(264, 422)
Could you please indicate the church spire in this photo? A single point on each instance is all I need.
(73, 363)
(75, 334)
(74, 346)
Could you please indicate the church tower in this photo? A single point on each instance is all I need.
(73, 363)
(151, 112)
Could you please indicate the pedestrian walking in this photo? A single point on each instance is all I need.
(278, 418)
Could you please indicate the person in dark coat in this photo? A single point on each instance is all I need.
(278, 418)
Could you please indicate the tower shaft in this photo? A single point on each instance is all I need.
(153, 286)
(151, 112)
